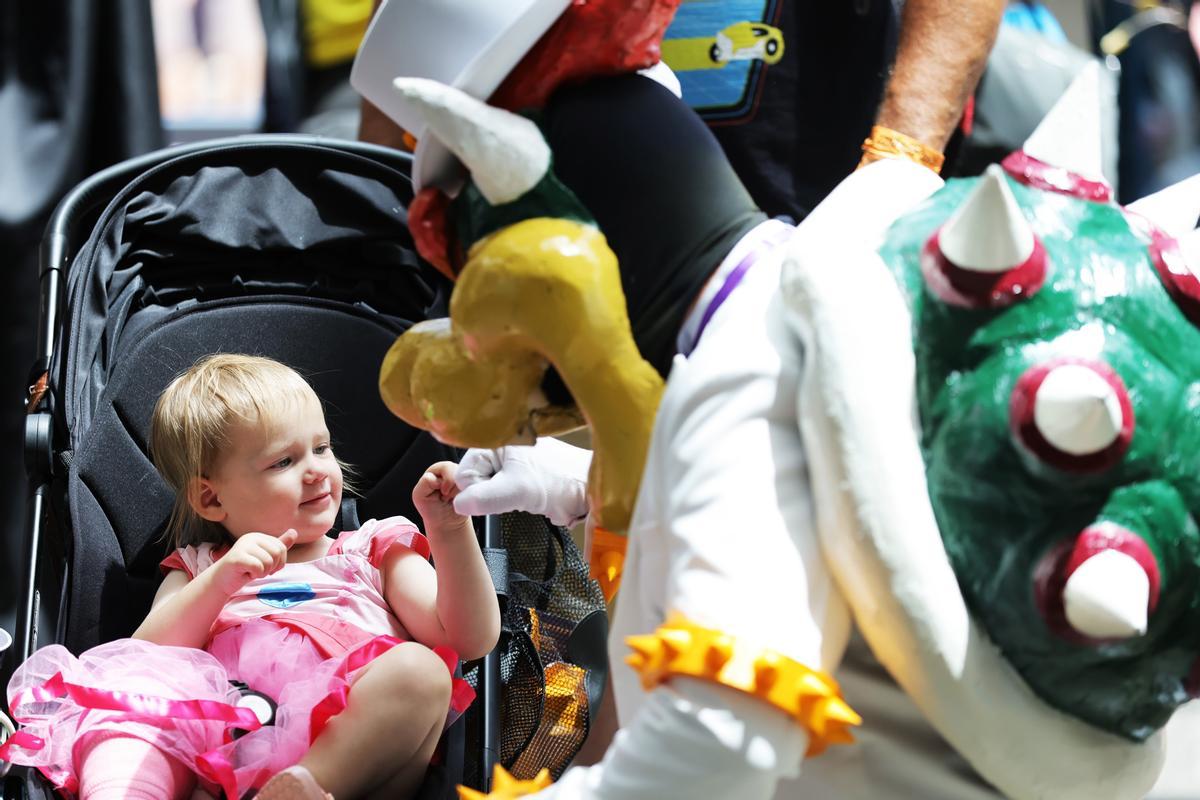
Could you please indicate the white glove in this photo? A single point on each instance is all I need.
(549, 478)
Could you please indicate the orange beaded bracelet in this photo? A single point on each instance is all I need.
(887, 143)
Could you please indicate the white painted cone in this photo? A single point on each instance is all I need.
(1174, 209)
(1077, 411)
(988, 232)
(1108, 597)
(1069, 136)
(504, 152)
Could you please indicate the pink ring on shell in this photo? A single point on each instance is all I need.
(1022, 405)
(1181, 283)
(968, 288)
(1032, 172)
(1052, 572)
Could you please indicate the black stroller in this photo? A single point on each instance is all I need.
(295, 248)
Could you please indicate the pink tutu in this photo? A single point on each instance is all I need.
(177, 699)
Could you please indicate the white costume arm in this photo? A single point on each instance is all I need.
(722, 537)
(692, 738)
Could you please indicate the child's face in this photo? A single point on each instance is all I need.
(276, 476)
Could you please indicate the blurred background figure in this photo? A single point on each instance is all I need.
(1030, 66)
(211, 56)
(1151, 76)
(311, 45)
(77, 93)
(1159, 96)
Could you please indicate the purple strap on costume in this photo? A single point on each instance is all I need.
(731, 282)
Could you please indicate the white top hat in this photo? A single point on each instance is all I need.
(471, 45)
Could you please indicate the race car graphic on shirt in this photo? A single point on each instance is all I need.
(741, 41)
(720, 50)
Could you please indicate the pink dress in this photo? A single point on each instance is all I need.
(298, 636)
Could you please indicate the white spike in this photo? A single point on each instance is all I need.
(1108, 596)
(1175, 209)
(1077, 411)
(1070, 134)
(988, 232)
(504, 152)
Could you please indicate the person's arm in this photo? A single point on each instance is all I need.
(375, 127)
(184, 609)
(457, 606)
(943, 47)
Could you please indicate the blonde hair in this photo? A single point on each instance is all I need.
(192, 421)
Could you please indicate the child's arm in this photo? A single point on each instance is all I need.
(457, 606)
(184, 609)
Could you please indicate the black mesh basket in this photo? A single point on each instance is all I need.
(552, 650)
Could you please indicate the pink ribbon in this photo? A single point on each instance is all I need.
(144, 705)
(213, 765)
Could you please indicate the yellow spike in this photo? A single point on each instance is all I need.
(646, 646)
(502, 780)
(718, 655)
(636, 660)
(812, 684)
(766, 672)
(840, 736)
(506, 787)
(837, 709)
(674, 640)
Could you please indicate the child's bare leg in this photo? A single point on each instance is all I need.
(393, 717)
(115, 767)
(405, 781)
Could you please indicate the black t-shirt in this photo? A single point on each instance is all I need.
(658, 186)
(789, 87)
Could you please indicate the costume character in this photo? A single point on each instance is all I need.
(786, 492)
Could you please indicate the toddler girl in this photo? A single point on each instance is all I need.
(354, 639)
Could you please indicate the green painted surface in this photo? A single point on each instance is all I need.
(472, 217)
(1000, 510)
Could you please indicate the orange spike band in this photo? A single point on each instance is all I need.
(607, 560)
(887, 143)
(506, 787)
(812, 698)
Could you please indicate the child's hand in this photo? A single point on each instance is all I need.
(434, 496)
(252, 556)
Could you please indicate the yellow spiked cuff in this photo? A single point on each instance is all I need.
(812, 698)
(506, 787)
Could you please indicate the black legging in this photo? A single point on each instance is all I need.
(661, 190)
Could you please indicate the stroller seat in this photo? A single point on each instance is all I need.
(290, 247)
